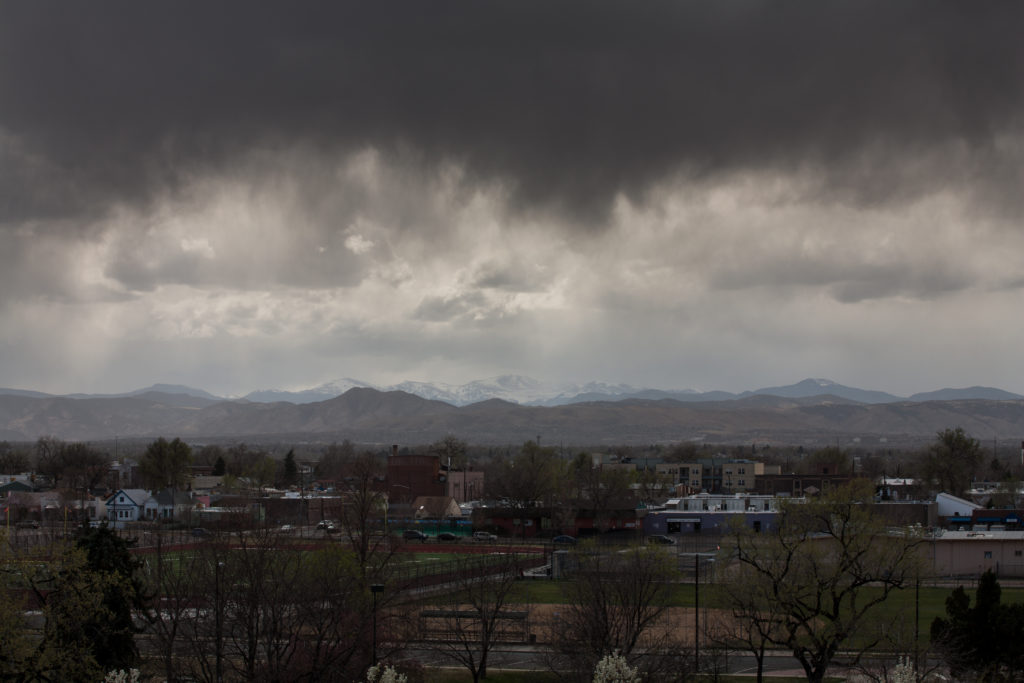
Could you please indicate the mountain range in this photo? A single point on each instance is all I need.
(531, 392)
(811, 411)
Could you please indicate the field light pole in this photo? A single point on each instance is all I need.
(374, 589)
(696, 612)
(218, 636)
(917, 624)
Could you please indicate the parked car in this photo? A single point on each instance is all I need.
(414, 535)
(661, 539)
(200, 532)
(29, 524)
(564, 540)
(447, 537)
(326, 525)
(484, 537)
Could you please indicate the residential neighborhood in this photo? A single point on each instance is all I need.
(537, 516)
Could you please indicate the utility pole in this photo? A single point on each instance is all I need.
(696, 612)
(374, 589)
(917, 622)
(218, 626)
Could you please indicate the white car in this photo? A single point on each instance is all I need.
(484, 537)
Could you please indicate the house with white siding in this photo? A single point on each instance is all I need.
(127, 505)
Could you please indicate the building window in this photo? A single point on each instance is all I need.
(743, 470)
(988, 554)
(1017, 553)
(741, 482)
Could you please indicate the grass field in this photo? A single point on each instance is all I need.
(932, 599)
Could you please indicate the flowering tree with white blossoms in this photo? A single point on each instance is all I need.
(614, 668)
(904, 672)
(378, 673)
(122, 676)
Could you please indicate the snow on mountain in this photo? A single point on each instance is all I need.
(512, 388)
(323, 392)
(528, 391)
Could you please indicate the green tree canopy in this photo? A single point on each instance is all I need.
(166, 463)
(951, 461)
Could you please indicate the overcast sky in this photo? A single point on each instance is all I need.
(709, 195)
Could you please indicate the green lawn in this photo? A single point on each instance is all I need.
(932, 599)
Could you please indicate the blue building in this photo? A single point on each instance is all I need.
(713, 514)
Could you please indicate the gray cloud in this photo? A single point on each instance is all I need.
(716, 195)
(568, 104)
(440, 309)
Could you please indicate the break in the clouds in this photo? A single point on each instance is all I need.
(722, 195)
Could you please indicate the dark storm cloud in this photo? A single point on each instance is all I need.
(441, 309)
(847, 279)
(566, 104)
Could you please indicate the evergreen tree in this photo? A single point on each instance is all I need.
(291, 470)
(984, 639)
(109, 557)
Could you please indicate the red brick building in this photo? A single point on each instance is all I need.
(410, 476)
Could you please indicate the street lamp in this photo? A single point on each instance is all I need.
(374, 589)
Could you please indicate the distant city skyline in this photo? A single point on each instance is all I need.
(675, 196)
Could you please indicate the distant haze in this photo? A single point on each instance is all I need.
(677, 196)
(367, 415)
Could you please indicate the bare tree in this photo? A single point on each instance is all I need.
(451, 449)
(49, 459)
(615, 601)
(176, 583)
(815, 567)
(72, 467)
(363, 512)
(600, 490)
(653, 487)
(13, 460)
(243, 607)
(528, 480)
(335, 460)
(475, 616)
(335, 609)
(754, 617)
(195, 600)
